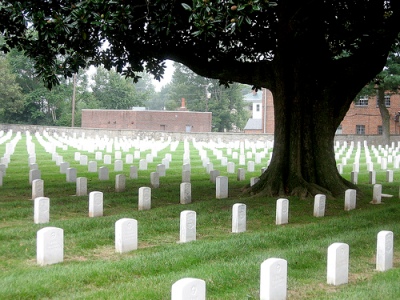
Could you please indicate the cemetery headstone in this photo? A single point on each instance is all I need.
(282, 211)
(95, 204)
(273, 279)
(41, 210)
(189, 288)
(384, 250)
(319, 205)
(120, 180)
(71, 175)
(103, 173)
(239, 218)
(155, 180)
(81, 186)
(221, 187)
(377, 194)
(187, 226)
(338, 264)
(49, 246)
(133, 172)
(185, 192)
(350, 198)
(126, 235)
(144, 198)
(37, 188)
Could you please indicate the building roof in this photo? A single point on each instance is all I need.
(253, 124)
(253, 96)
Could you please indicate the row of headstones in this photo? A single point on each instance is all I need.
(51, 239)
(372, 176)
(273, 275)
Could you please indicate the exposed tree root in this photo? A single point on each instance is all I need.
(276, 186)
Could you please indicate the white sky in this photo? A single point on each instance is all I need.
(169, 71)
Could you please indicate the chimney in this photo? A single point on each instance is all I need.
(183, 106)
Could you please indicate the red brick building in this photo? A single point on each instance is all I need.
(172, 121)
(363, 117)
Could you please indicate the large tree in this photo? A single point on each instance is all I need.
(315, 56)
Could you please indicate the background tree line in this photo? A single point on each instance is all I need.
(25, 100)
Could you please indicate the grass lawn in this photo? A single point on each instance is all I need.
(228, 262)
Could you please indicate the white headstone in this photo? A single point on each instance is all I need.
(126, 235)
(213, 175)
(144, 198)
(49, 246)
(282, 211)
(187, 226)
(129, 159)
(273, 279)
(221, 187)
(350, 199)
(185, 192)
(384, 250)
(81, 186)
(372, 177)
(230, 167)
(120, 180)
(71, 175)
(95, 204)
(118, 165)
(338, 264)
(142, 164)
(133, 172)
(250, 166)
(33, 175)
(92, 166)
(63, 167)
(107, 159)
(161, 170)
(239, 218)
(354, 177)
(189, 289)
(241, 174)
(389, 175)
(103, 173)
(186, 175)
(41, 210)
(37, 188)
(155, 180)
(319, 205)
(377, 194)
(83, 160)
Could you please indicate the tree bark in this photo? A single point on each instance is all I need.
(308, 108)
(385, 116)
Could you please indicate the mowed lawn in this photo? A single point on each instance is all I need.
(228, 262)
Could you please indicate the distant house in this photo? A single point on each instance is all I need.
(364, 118)
(138, 119)
(260, 104)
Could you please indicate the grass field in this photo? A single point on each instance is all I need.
(229, 263)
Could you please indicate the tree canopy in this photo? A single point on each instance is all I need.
(314, 56)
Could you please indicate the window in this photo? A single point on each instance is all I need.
(339, 129)
(162, 127)
(360, 129)
(362, 101)
(257, 107)
(380, 130)
(387, 101)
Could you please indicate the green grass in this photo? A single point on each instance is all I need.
(229, 263)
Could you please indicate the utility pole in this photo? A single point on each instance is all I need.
(73, 100)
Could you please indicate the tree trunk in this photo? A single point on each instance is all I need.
(308, 111)
(385, 117)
